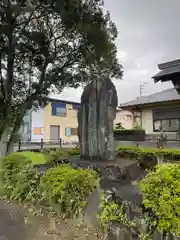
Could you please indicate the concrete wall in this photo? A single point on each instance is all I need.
(68, 121)
(125, 118)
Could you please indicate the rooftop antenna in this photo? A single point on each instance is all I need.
(141, 88)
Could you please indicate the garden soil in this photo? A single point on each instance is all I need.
(16, 223)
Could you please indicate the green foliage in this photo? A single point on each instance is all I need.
(62, 153)
(67, 189)
(161, 193)
(112, 212)
(148, 156)
(119, 126)
(129, 131)
(20, 179)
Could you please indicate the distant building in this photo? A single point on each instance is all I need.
(57, 120)
(156, 112)
(124, 117)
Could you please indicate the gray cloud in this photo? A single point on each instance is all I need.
(148, 34)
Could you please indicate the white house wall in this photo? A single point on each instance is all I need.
(37, 122)
(147, 120)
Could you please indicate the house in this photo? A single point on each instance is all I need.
(123, 117)
(56, 120)
(157, 112)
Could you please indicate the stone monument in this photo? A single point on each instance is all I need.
(95, 119)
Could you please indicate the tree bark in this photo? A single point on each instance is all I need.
(3, 143)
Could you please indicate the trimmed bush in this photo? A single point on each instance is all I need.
(161, 193)
(67, 189)
(134, 134)
(20, 179)
(148, 156)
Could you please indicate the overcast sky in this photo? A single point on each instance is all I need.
(149, 34)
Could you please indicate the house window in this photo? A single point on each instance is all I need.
(38, 131)
(70, 132)
(168, 125)
(60, 111)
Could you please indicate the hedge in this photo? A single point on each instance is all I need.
(128, 131)
(148, 156)
(133, 134)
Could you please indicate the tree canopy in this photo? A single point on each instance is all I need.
(47, 45)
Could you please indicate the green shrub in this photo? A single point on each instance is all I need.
(20, 179)
(129, 131)
(74, 152)
(67, 189)
(62, 153)
(161, 193)
(148, 156)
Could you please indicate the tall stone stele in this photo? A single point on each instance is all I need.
(95, 119)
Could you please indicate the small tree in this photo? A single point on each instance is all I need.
(48, 45)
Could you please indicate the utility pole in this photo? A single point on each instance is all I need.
(141, 88)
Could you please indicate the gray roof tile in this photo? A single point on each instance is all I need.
(164, 96)
(167, 71)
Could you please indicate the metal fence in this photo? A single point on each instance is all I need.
(44, 143)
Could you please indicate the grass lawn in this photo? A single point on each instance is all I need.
(36, 158)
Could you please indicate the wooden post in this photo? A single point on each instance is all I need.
(41, 143)
(19, 145)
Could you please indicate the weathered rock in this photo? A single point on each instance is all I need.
(96, 116)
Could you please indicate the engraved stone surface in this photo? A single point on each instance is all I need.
(95, 119)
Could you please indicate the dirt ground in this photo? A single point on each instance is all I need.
(16, 223)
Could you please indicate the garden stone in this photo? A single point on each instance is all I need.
(91, 210)
(95, 120)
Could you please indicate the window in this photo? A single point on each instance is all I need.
(60, 111)
(38, 131)
(169, 125)
(70, 132)
(74, 131)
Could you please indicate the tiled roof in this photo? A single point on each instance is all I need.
(167, 70)
(63, 101)
(164, 96)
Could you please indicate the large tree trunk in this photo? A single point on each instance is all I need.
(4, 143)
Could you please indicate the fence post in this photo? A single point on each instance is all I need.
(60, 142)
(19, 145)
(41, 143)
